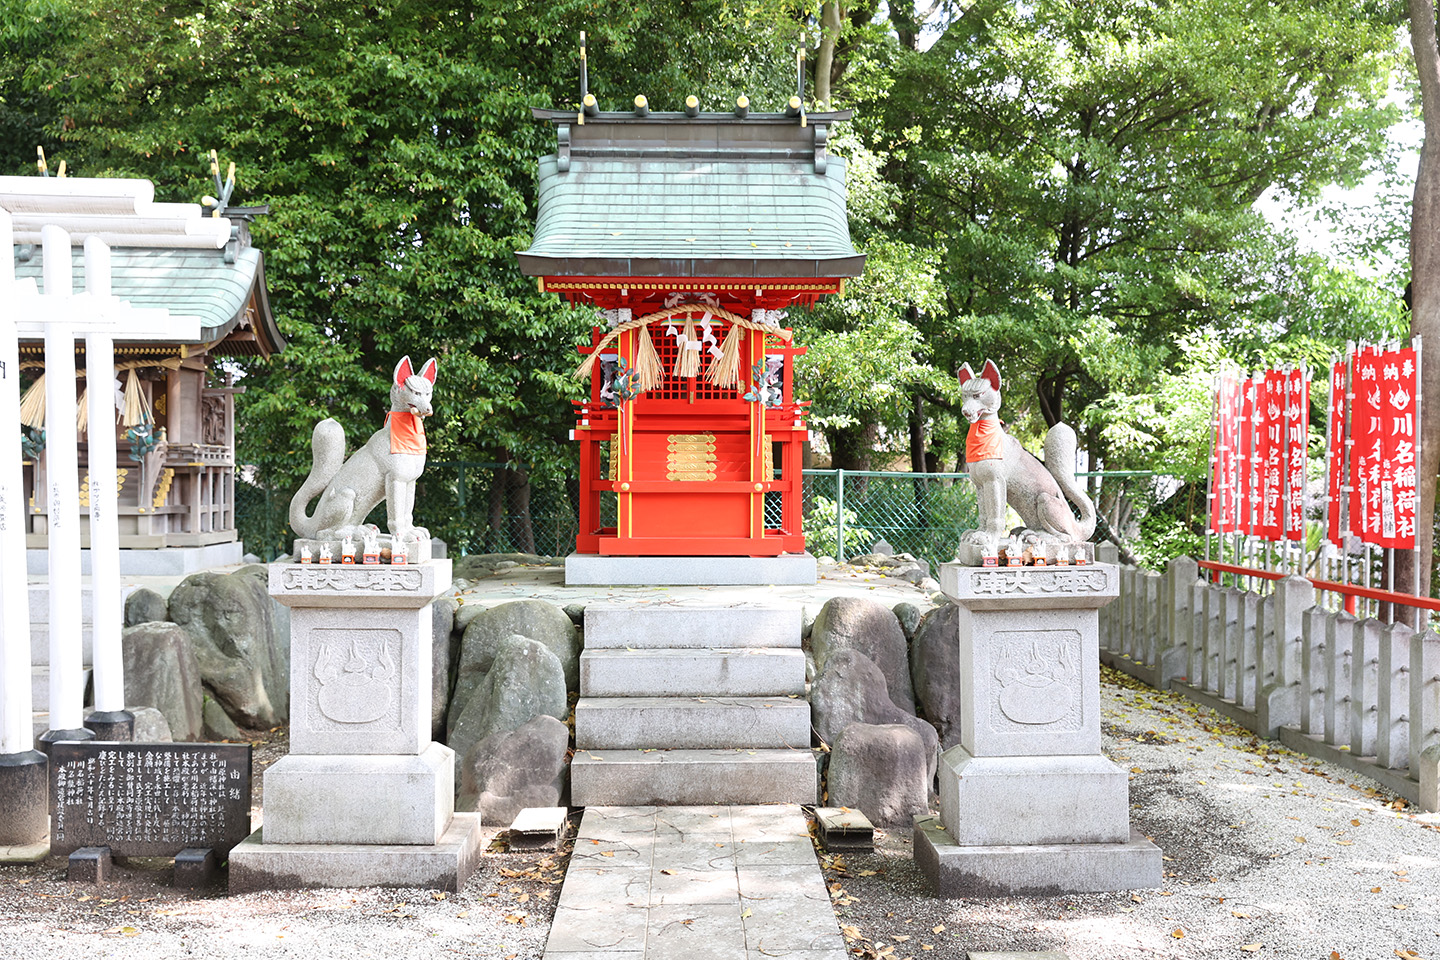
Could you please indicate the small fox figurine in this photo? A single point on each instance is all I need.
(1005, 472)
(385, 468)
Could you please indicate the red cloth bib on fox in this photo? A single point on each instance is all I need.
(985, 441)
(407, 433)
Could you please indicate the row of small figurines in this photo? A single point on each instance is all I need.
(370, 554)
(1012, 554)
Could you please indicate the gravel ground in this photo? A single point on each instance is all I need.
(1268, 854)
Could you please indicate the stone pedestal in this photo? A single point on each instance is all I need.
(365, 797)
(1028, 805)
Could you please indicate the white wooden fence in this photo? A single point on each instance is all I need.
(1356, 692)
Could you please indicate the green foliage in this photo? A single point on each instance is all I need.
(395, 147)
(821, 525)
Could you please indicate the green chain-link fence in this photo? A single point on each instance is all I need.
(492, 508)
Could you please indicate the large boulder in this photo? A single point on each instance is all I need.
(880, 771)
(851, 689)
(243, 661)
(150, 725)
(443, 652)
(935, 670)
(909, 616)
(145, 606)
(859, 623)
(525, 767)
(218, 725)
(536, 619)
(161, 672)
(524, 682)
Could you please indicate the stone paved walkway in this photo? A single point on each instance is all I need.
(694, 883)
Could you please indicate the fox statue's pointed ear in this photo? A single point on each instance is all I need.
(403, 371)
(430, 369)
(992, 373)
(965, 374)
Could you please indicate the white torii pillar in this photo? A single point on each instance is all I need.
(24, 786)
(101, 319)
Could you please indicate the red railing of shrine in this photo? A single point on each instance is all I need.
(1348, 590)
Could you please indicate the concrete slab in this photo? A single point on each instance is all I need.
(591, 569)
(256, 865)
(1024, 800)
(1033, 869)
(689, 897)
(680, 777)
(675, 624)
(361, 798)
(754, 672)
(691, 723)
(163, 562)
(843, 829)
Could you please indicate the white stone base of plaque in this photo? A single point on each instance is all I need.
(589, 569)
(1031, 800)
(257, 865)
(361, 799)
(1032, 869)
(25, 853)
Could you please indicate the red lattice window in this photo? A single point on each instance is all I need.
(668, 349)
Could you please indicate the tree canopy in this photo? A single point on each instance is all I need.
(1067, 188)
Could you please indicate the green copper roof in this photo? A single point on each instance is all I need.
(187, 282)
(668, 195)
(615, 209)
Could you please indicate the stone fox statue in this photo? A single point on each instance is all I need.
(385, 468)
(1004, 471)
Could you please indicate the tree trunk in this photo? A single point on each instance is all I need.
(825, 57)
(495, 533)
(1425, 292)
(524, 526)
(917, 434)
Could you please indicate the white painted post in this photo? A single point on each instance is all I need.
(1392, 729)
(1425, 716)
(15, 702)
(62, 473)
(1340, 634)
(110, 721)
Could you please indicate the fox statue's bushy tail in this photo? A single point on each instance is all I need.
(327, 446)
(1060, 445)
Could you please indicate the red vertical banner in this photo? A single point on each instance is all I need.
(1335, 455)
(1297, 436)
(1246, 472)
(1223, 480)
(1272, 426)
(1365, 454)
(1397, 448)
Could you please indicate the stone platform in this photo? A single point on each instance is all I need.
(1039, 870)
(694, 882)
(257, 865)
(588, 569)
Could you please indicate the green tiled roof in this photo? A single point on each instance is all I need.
(187, 282)
(691, 215)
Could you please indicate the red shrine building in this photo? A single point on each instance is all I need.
(693, 234)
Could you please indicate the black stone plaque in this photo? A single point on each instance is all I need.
(148, 799)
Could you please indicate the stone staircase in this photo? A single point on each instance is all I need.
(39, 596)
(685, 704)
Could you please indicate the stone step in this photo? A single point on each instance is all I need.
(618, 625)
(40, 603)
(40, 642)
(691, 777)
(691, 723)
(752, 672)
(40, 687)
